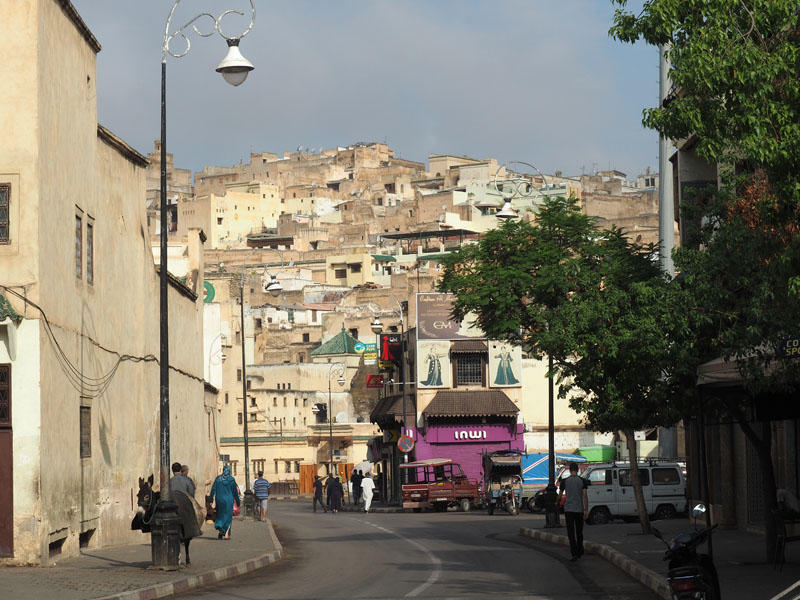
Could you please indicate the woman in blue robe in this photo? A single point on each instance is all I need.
(226, 492)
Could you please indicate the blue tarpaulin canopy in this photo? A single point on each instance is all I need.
(535, 466)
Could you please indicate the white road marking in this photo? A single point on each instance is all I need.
(435, 561)
(785, 593)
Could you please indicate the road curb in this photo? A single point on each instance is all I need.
(179, 586)
(643, 575)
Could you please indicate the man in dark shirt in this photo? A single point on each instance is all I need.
(318, 494)
(576, 509)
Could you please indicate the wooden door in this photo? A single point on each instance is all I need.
(306, 483)
(6, 463)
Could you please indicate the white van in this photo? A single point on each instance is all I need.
(611, 490)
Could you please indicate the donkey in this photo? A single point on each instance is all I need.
(147, 501)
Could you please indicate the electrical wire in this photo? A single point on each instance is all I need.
(89, 387)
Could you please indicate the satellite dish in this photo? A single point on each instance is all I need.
(341, 417)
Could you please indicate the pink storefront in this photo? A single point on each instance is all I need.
(465, 442)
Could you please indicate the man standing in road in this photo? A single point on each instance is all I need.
(576, 509)
(318, 494)
(261, 490)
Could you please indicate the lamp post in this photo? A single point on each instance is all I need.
(337, 368)
(166, 526)
(274, 288)
(521, 188)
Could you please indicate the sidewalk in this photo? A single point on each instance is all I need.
(124, 573)
(738, 556)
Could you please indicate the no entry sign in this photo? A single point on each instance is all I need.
(405, 443)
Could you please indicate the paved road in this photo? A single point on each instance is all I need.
(425, 555)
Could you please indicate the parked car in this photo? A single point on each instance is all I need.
(437, 483)
(535, 475)
(611, 491)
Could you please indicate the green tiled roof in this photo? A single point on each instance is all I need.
(7, 311)
(341, 343)
(385, 257)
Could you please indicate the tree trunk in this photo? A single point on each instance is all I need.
(641, 507)
(763, 447)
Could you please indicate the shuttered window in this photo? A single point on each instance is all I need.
(5, 395)
(86, 431)
(5, 219)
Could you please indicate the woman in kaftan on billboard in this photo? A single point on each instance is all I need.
(434, 377)
(505, 374)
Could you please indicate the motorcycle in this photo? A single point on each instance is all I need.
(692, 574)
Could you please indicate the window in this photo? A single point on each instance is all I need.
(355, 268)
(287, 466)
(289, 385)
(284, 401)
(252, 416)
(258, 465)
(5, 396)
(625, 477)
(238, 374)
(258, 323)
(226, 397)
(354, 332)
(248, 384)
(297, 466)
(219, 220)
(600, 477)
(274, 401)
(239, 418)
(469, 368)
(665, 476)
(305, 402)
(5, 213)
(86, 431)
(276, 465)
(301, 358)
(340, 273)
(78, 246)
(295, 401)
(306, 337)
(90, 253)
(252, 400)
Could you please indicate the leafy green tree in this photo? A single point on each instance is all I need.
(589, 299)
(620, 330)
(734, 66)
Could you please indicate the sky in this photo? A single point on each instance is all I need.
(537, 81)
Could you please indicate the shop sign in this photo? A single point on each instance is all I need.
(370, 354)
(374, 381)
(466, 433)
(434, 321)
(789, 348)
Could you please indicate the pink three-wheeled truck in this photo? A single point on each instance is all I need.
(437, 483)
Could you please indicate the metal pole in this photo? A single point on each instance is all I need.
(164, 314)
(551, 514)
(667, 436)
(247, 492)
(403, 376)
(330, 425)
(165, 530)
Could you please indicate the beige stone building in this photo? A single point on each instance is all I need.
(79, 333)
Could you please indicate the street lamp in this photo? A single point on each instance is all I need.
(335, 368)
(165, 532)
(521, 188)
(274, 288)
(377, 328)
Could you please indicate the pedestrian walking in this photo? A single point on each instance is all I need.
(225, 493)
(356, 480)
(335, 494)
(318, 494)
(576, 509)
(189, 480)
(261, 490)
(367, 486)
(179, 482)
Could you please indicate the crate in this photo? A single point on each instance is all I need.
(598, 453)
